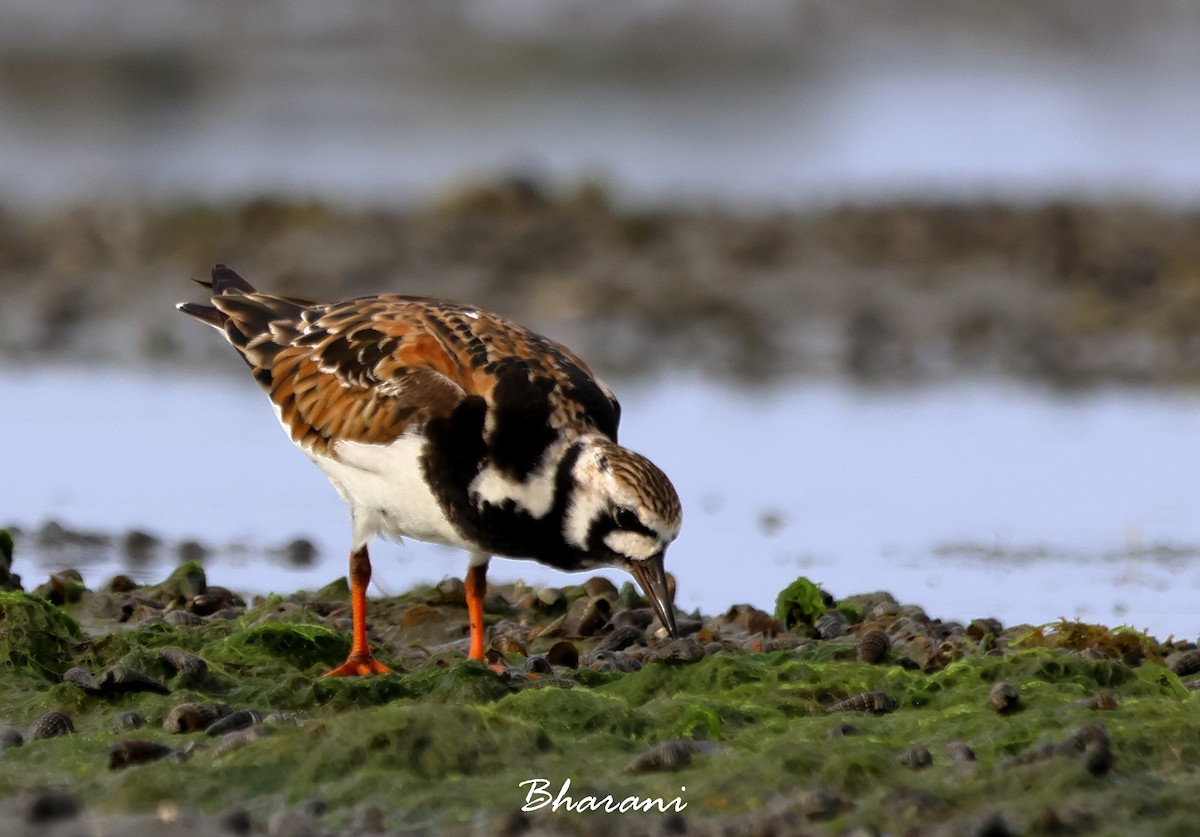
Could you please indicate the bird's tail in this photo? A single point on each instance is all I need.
(224, 282)
(258, 325)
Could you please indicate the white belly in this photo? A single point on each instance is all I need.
(386, 492)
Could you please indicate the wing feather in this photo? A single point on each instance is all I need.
(369, 369)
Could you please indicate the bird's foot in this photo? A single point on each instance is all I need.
(359, 665)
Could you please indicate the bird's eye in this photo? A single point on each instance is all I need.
(626, 518)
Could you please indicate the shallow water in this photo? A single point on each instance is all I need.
(969, 500)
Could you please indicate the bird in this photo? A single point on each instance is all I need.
(445, 423)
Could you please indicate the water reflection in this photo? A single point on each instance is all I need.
(974, 500)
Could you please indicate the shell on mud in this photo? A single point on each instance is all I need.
(599, 587)
(785, 642)
(622, 637)
(135, 751)
(1098, 758)
(452, 590)
(82, 678)
(873, 647)
(946, 652)
(183, 618)
(612, 661)
(537, 664)
(752, 620)
(638, 617)
(1003, 697)
(122, 678)
(282, 719)
(1092, 733)
(682, 650)
(672, 754)
(979, 628)
(1101, 701)
(128, 720)
(121, 584)
(832, 624)
(516, 631)
(916, 758)
(190, 717)
(875, 702)
(563, 653)
(586, 616)
(185, 663)
(1184, 663)
(213, 599)
(238, 739)
(234, 721)
(549, 599)
(507, 645)
(51, 725)
(959, 751)
(1093, 745)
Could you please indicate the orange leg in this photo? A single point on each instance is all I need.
(360, 661)
(476, 588)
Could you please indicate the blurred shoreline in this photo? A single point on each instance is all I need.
(1066, 294)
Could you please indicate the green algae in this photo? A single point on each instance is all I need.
(35, 636)
(443, 742)
(800, 603)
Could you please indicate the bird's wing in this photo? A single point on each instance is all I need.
(368, 369)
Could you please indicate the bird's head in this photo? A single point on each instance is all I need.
(624, 512)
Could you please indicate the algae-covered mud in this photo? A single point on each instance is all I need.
(1058, 293)
(181, 708)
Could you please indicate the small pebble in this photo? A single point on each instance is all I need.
(1184, 663)
(237, 821)
(1003, 697)
(370, 820)
(50, 805)
(290, 824)
(10, 736)
(672, 754)
(992, 825)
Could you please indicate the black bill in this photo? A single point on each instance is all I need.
(653, 578)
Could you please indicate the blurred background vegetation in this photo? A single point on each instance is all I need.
(894, 191)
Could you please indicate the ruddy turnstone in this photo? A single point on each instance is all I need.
(449, 424)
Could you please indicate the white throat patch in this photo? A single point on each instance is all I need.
(636, 545)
